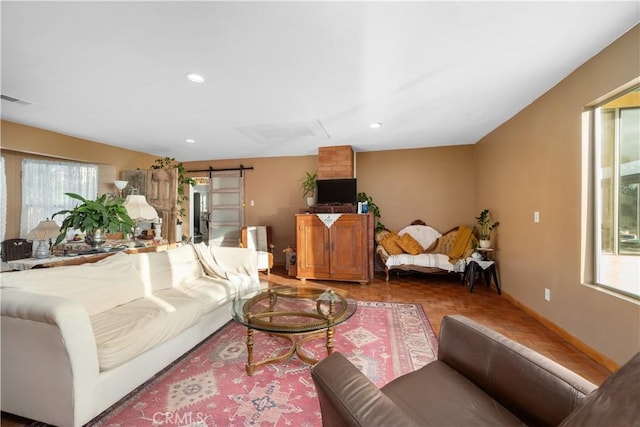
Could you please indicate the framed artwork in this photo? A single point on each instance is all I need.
(137, 182)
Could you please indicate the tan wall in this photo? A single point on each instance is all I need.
(435, 185)
(405, 184)
(533, 163)
(20, 141)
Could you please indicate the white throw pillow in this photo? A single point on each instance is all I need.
(424, 234)
(168, 269)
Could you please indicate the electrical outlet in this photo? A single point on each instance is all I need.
(536, 216)
(547, 294)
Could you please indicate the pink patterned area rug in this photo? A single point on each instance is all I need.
(209, 386)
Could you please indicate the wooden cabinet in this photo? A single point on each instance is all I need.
(162, 194)
(343, 251)
(160, 188)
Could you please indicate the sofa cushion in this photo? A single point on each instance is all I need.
(211, 292)
(390, 244)
(437, 395)
(614, 403)
(98, 286)
(424, 234)
(126, 331)
(410, 245)
(167, 269)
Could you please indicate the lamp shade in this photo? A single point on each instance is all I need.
(120, 184)
(138, 208)
(44, 231)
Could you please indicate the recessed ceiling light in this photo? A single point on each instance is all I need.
(196, 78)
(191, 141)
(375, 125)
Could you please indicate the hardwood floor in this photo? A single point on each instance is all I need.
(440, 295)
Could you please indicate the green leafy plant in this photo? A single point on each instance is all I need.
(309, 184)
(106, 213)
(484, 225)
(183, 179)
(363, 197)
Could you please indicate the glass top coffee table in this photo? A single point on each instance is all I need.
(297, 313)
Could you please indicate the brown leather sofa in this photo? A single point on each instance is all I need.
(479, 378)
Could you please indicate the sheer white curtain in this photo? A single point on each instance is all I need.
(44, 184)
(3, 200)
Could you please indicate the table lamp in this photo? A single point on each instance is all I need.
(46, 230)
(139, 210)
(120, 185)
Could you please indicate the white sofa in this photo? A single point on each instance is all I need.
(77, 339)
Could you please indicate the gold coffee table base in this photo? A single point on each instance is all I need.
(298, 313)
(296, 348)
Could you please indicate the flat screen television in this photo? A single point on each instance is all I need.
(337, 191)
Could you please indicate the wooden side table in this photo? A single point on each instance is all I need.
(487, 267)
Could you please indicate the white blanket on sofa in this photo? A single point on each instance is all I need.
(440, 261)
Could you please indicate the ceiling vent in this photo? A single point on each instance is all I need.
(286, 132)
(14, 100)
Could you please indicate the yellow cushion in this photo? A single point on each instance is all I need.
(390, 244)
(462, 242)
(410, 245)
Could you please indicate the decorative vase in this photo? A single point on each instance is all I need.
(95, 239)
(178, 232)
(311, 201)
(42, 250)
(485, 243)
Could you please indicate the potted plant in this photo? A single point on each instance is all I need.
(309, 186)
(484, 228)
(363, 197)
(95, 218)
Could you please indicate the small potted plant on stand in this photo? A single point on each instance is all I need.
(95, 218)
(484, 228)
(308, 187)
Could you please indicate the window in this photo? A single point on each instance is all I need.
(44, 184)
(617, 167)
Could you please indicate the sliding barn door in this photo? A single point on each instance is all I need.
(226, 217)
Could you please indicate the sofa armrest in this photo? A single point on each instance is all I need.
(533, 387)
(382, 252)
(49, 358)
(348, 398)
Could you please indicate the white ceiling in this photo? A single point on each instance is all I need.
(284, 78)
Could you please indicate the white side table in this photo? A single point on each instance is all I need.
(488, 268)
